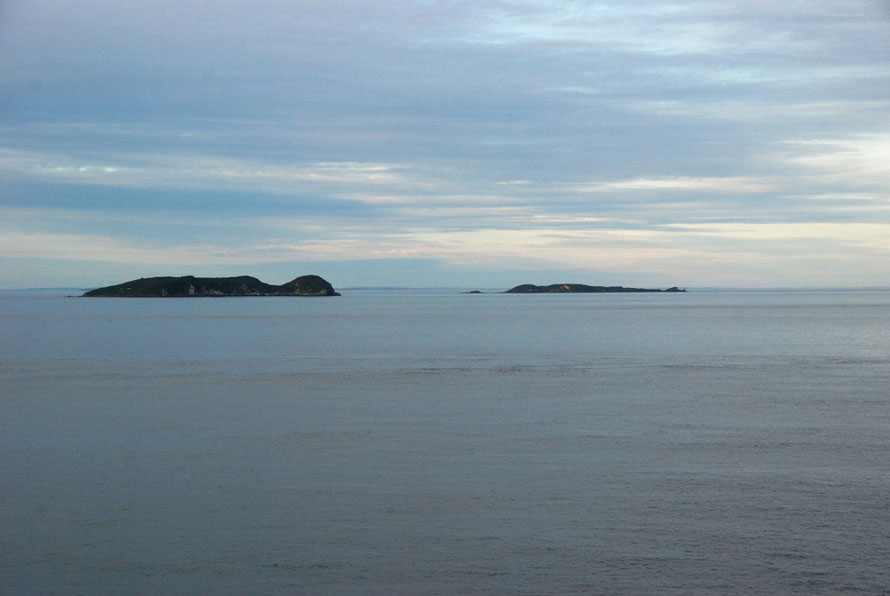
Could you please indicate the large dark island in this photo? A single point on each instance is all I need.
(175, 287)
(580, 289)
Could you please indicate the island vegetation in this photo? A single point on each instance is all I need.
(580, 289)
(190, 286)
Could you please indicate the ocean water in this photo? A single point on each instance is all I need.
(421, 442)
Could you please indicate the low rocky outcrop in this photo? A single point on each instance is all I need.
(580, 289)
(176, 287)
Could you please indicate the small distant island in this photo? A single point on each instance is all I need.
(190, 286)
(580, 289)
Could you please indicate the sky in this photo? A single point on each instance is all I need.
(449, 143)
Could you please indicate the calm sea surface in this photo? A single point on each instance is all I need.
(437, 442)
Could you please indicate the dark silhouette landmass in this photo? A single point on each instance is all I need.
(175, 287)
(580, 289)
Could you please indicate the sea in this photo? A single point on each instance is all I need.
(434, 442)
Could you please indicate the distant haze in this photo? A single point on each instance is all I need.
(423, 143)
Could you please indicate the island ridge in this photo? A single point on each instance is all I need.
(580, 289)
(190, 286)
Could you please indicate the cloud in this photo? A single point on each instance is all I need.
(871, 236)
(164, 170)
(860, 161)
(763, 110)
(732, 184)
(637, 136)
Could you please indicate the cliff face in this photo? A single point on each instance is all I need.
(176, 287)
(579, 289)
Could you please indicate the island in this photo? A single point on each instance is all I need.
(190, 286)
(580, 289)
